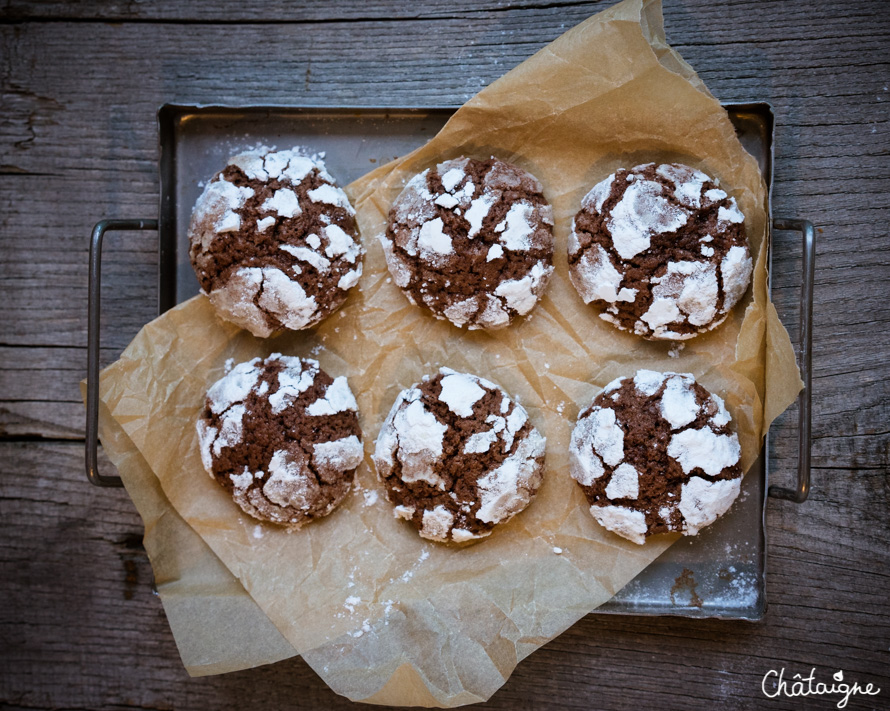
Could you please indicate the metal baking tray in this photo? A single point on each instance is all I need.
(719, 573)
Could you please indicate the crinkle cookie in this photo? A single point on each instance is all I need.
(274, 242)
(660, 250)
(472, 241)
(282, 437)
(655, 453)
(458, 456)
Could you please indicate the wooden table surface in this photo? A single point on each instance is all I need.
(79, 88)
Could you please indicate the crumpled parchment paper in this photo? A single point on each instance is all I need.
(381, 614)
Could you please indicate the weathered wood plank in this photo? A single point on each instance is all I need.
(81, 623)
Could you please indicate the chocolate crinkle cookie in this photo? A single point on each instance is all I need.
(282, 437)
(655, 453)
(458, 456)
(660, 250)
(274, 242)
(472, 241)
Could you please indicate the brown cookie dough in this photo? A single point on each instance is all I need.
(660, 250)
(274, 242)
(472, 241)
(282, 437)
(458, 456)
(655, 453)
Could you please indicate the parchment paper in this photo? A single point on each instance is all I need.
(382, 615)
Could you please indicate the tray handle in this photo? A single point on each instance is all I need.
(92, 430)
(804, 361)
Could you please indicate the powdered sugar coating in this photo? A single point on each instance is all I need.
(677, 468)
(282, 437)
(274, 241)
(660, 250)
(471, 241)
(488, 471)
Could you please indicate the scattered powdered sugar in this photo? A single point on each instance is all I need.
(557, 550)
(371, 497)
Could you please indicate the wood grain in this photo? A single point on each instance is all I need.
(79, 87)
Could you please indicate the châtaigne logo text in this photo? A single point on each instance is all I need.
(775, 684)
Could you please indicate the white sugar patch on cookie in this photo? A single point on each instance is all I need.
(477, 212)
(234, 387)
(451, 178)
(264, 223)
(339, 454)
(288, 484)
(721, 417)
(521, 294)
(597, 278)
(605, 435)
(310, 256)
(331, 195)
(339, 243)
(337, 398)
(702, 502)
(688, 288)
(705, 450)
(515, 229)
(350, 279)
(447, 201)
(641, 213)
(678, 405)
(220, 200)
(598, 194)
(736, 272)
(624, 484)
(648, 381)
(436, 524)
(284, 202)
(460, 392)
(230, 428)
(286, 300)
(715, 194)
(730, 214)
(625, 522)
(291, 384)
(508, 488)
(432, 239)
(687, 181)
(420, 437)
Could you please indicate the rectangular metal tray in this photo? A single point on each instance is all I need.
(719, 573)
